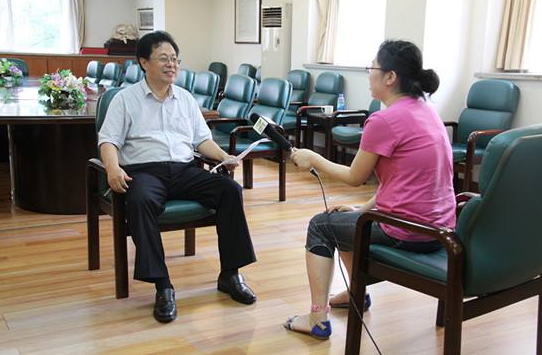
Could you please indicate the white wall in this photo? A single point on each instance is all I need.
(102, 16)
(190, 23)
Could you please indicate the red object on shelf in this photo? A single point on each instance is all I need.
(94, 50)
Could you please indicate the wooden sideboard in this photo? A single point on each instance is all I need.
(39, 64)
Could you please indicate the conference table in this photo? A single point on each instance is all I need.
(49, 149)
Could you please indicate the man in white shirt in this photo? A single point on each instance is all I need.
(147, 144)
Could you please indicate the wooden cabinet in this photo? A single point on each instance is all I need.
(39, 64)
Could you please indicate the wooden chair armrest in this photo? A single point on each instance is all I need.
(462, 199)
(473, 137)
(302, 109)
(298, 103)
(350, 116)
(96, 164)
(221, 120)
(452, 124)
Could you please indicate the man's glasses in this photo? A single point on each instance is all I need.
(166, 60)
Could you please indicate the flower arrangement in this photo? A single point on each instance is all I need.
(10, 74)
(62, 90)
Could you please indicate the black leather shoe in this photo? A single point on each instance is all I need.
(165, 308)
(235, 286)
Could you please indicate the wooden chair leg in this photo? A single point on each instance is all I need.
(453, 319)
(282, 177)
(93, 214)
(121, 252)
(247, 174)
(539, 328)
(440, 313)
(189, 242)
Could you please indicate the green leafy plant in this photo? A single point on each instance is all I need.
(10, 74)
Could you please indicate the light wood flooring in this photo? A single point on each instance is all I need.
(51, 304)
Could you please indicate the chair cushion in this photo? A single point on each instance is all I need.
(346, 134)
(290, 119)
(459, 151)
(431, 265)
(476, 120)
(180, 211)
(275, 93)
(239, 88)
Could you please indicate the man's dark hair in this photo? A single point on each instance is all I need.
(152, 40)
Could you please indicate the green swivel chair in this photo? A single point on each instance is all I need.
(491, 107)
(178, 214)
(205, 89)
(272, 103)
(490, 261)
(186, 79)
(348, 136)
(111, 75)
(133, 75)
(21, 64)
(247, 69)
(94, 71)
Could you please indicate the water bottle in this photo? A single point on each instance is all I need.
(341, 104)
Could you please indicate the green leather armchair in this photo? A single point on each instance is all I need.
(186, 79)
(327, 88)
(94, 71)
(300, 80)
(221, 70)
(258, 78)
(350, 136)
(491, 260)
(272, 103)
(178, 214)
(247, 69)
(205, 89)
(491, 107)
(111, 75)
(21, 64)
(133, 75)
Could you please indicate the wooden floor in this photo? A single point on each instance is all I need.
(51, 304)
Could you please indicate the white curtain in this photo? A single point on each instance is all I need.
(6, 25)
(328, 12)
(73, 25)
(515, 32)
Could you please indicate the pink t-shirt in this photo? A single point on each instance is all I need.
(415, 168)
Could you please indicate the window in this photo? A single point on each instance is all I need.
(360, 31)
(534, 48)
(44, 26)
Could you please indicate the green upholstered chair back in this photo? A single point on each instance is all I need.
(238, 96)
(186, 79)
(127, 64)
(374, 106)
(491, 104)
(327, 88)
(273, 99)
(221, 70)
(111, 75)
(258, 74)
(300, 80)
(205, 89)
(247, 69)
(21, 64)
(501, 230)
(133, 75)
(94, 71)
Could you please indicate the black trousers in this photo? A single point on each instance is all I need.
(155, 183)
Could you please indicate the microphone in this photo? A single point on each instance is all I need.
(264, 125)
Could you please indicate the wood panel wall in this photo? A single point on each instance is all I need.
(39, 64)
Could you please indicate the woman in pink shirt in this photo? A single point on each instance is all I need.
(406, 146)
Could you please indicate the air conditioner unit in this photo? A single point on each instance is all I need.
(276, 40)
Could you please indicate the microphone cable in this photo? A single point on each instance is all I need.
(350, 296)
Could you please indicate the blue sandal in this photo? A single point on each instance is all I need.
(320, 330)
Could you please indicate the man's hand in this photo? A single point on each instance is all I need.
(230, 167)
(118, 179)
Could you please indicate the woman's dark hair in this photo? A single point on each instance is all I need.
(405, 59)
(152, 40)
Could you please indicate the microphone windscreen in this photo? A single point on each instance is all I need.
(266, 126)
